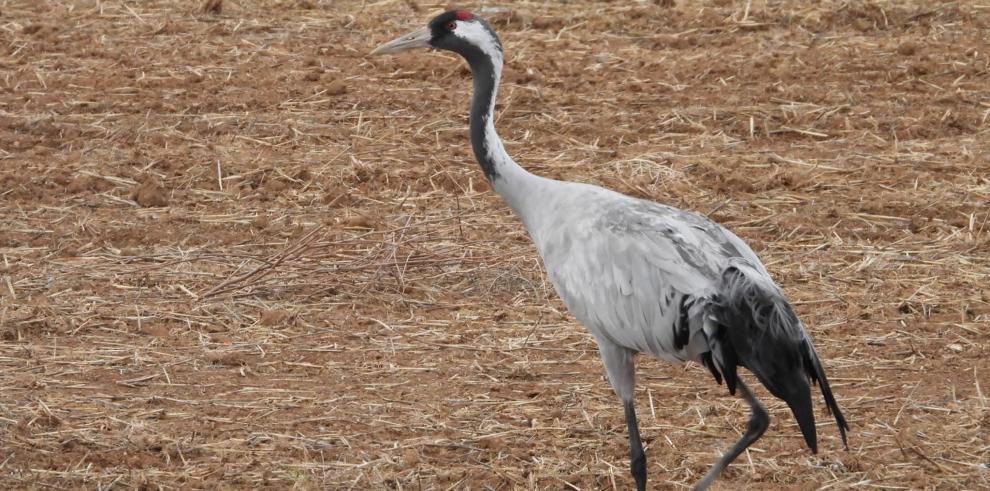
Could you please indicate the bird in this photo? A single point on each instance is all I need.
(642, 277)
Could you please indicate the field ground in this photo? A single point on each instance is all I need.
(237, 253)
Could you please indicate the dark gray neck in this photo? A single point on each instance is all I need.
(515, 185)
(484, 142)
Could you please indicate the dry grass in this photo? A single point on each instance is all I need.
(237, 253)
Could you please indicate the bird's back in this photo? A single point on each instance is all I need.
(633, 271)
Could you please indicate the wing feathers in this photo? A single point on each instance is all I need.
(757, 329)
(633, 274)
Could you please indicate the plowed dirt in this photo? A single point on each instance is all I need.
(235, 252)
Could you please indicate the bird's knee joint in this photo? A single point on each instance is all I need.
(760, 421)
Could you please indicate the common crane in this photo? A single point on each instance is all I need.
(641, 276)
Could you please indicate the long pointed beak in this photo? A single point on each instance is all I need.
(420, 38)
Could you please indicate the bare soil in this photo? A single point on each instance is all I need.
(235, 252)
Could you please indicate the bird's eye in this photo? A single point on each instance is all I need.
(451, 25)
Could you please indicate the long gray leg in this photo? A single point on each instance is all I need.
(758, 423)
(621, 374)
(637, 457)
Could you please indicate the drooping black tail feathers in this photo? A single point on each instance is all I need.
(754, 327)
(833, 407)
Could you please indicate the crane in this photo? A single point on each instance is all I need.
(643, 277)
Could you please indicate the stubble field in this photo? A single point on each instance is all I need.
(235, 252)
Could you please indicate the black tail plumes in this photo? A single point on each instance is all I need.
(757, 329)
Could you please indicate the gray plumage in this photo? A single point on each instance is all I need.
(648, 278)
(641, 276)
(636, 273)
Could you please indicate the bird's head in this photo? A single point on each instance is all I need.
(459, 31)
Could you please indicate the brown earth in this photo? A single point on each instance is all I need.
(237, 253)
